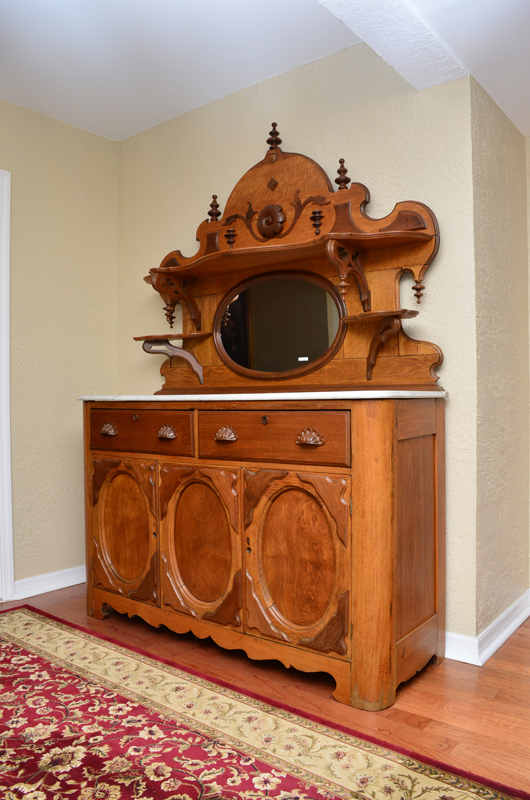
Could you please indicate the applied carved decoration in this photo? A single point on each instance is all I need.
(266, 230)
(255, 485)
(333, 637)
(230, 610)
(109, 429)
(173, 290)
(148, 589)
(271, 218)
(332, 492)
(256, 616)
(167, 432)
(310, 436)
(346, 260)
(226, 434)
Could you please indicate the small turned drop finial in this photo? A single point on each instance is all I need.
(418, 290)
(274, 138)
(230, 237)
(342, 180)
(214, 212)
(316, 219)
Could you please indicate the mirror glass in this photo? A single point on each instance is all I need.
(279, 324)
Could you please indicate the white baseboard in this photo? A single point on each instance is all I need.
(477, 650)
(28, 587)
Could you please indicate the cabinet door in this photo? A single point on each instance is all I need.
(298, 566)
(200, 546)
(125, 558)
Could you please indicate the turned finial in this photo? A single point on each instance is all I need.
(274, 138)
(342, 180)
(214, 212)
(418, 290)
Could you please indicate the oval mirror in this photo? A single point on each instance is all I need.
(279, 323)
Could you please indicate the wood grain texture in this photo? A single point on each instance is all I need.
(199, 541)
(471, 718)
(124, 555)
(138, 431)
(373, 526)
(273, 436)
(372, 598)
(284, 217)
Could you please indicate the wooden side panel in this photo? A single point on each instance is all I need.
(416, 540)
(420, 548)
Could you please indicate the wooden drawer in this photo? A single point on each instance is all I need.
(306, 437)
(137, 431)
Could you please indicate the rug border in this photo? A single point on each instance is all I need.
(432, 762)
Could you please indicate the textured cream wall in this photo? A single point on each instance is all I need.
(501, 287)
(63, 323)
(402, 144)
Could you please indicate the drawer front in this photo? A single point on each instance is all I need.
(304, 437)
(137, 431)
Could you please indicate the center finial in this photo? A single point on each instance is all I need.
(274, 138)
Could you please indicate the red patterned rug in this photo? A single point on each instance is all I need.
(85, 718)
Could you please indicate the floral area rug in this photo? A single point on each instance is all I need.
(84, 718)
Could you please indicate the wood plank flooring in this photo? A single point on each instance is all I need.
(473, 718)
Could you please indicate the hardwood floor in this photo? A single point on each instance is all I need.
(473, 718)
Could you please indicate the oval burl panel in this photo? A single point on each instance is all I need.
(126, 528)
(298, 557)
(202, 542)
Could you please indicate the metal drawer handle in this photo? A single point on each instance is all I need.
(226, 434)
(167, 432)
(109, 429)
(310, 436)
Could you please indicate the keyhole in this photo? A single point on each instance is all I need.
(264, 420)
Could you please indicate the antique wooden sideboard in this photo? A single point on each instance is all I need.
(284, 492)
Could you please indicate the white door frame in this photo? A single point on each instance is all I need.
(7, 568)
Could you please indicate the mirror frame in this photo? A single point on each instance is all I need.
(313, 366)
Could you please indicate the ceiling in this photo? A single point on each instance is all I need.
(117, 67)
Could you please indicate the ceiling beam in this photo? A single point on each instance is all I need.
(397, 33)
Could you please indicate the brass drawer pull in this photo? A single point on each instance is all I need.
(167, 432)
(226, 434)
(109, 429)
(310, 436)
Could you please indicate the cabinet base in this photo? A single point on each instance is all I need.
(229, 639)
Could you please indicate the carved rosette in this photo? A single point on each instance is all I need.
(270, 221)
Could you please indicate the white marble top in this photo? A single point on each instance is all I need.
(374, 394)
